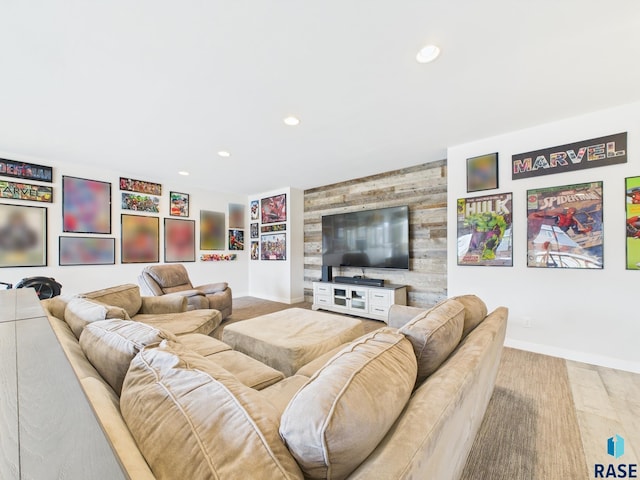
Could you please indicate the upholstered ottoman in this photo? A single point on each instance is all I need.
(288, 339)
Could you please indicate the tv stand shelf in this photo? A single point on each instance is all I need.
(361, 300)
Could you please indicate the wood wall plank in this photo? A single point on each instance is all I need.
(424, 189)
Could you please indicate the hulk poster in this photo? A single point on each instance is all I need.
(632, 186)
(564, 226)
(484, 230)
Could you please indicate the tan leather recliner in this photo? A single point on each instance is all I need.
(173, 279)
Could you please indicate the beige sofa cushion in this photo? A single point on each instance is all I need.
(81, 311)
(192, 419)
(339, 416)
(434, 334)
(110, 345)
(475, 310)
(126, 296)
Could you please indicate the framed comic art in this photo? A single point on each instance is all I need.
(482, 172)
(274, 209)
(254, 230)
(140, 240)
(564, 226)
(212, 230)
(140, 203)
(26, 171)
(23, 236)
(178, 204)
(273, 246)
(255, 250)
(254, 208)
(86, 205)
(179, 240)
(236, 239)
(87, 251)
(632, 195)
(485, 230)
(140, 186)
(26, 191)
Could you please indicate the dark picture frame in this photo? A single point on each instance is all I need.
(565, 226)
(254, 210)
(26, 171)
(23, 236)
(273, 246)
(140, 239)
(254, 230)
(179, 240)
(86, 250)
(632, 199)
(212, 230)
(482, 172)
(274, 209)
(140, 186)
(255, 250)
(485, 230)
(86, 205)
(26, 191)
(140, 203)
(178, 204)
(236, 239)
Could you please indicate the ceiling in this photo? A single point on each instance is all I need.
(151, 87)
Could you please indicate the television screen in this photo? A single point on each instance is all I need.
(371, 238)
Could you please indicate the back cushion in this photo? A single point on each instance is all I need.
(110, 345)
(192, 419)
(336, 420)
(171, 278)
(126, 296)
(79, 312)
(475, 310)
(434, 334)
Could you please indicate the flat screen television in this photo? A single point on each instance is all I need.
(376, 238)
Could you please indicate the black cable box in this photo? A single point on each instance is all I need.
(372, 282)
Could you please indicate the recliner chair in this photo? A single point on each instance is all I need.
(173, 279)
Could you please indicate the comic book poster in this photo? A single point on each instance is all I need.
(632, 189)
(484, 230)
(564, 226)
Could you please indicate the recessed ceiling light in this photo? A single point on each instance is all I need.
(291, 121)
(224, 153)
(428, 54)
(183, 173)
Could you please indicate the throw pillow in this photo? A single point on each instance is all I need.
(434, 334)
(110, 345)
(81, 311)
(475, 310)
(193, 419)
(341, 414)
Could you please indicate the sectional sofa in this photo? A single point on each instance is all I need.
(404, 401)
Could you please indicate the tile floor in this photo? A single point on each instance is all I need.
(607, 403)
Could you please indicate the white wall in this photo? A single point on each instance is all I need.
(585, 315)
(76, 279)
(282, 280)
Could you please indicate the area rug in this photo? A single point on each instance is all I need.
(530, 430)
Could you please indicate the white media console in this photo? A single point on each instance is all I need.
(362, 300)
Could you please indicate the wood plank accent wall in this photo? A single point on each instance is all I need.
(424, 189)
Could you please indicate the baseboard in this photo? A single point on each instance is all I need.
(288, 301)
(582, 357)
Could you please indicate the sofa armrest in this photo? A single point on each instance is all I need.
(212, 287)
(165, 304)
(399, 315)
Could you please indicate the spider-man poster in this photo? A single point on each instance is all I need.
(564, 226)
(632, 192)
